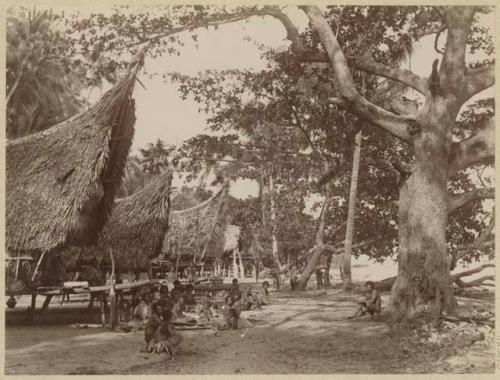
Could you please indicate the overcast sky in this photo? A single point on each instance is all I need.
(162, 114)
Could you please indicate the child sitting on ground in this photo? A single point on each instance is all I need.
(248, 300)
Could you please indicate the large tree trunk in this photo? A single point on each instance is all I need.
(423, 264)
(316, 252)
(345, 261)
(326, 274)
(274, 238)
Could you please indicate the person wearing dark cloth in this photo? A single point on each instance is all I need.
(161, 336)
(189, 299)
(177, 291)
(373, 303)
(191, 274)
(264, 294)
(232, 311)
(165, 298)
(248, 300)
(234, 290)
(153, 323)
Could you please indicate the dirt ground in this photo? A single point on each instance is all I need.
(304, 333)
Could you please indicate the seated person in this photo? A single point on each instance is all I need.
(231, 319)
(264, 294)
(373, 303)
(234, 290)
(232, 312)
(162, 336)
(153, 322)
(165, 298)
(177, 291)
(248, 300)
(178, 309)
(124, 310)
(188, 295)
(142, 311)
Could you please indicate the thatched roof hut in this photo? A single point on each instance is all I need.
(198, 232)
(231, 237)
(61, 182)
(137, 226)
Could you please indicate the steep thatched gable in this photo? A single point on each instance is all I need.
(137, 226)
(61, 182)
(232, 235)
(198, 232)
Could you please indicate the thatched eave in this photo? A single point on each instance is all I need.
(61, 183)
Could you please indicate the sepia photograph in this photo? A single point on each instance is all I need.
(240, 189)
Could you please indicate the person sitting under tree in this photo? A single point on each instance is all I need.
(248, 300)
(373, 303)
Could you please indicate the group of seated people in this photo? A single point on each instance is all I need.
(236, 302)
(156, 310)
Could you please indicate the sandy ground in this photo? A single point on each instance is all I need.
(299, 333)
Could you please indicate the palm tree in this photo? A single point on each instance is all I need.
(43, 85)
(134, 177)
(345, 264)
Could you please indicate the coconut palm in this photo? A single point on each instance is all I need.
(43, 82)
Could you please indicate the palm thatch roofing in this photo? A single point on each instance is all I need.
(231, 237)
(61, 183)
(136, 228)
(198, 232)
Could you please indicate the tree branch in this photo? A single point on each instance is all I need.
(477, 282)
(459, 200)
(394, 124)
(426, 30)
(403, 76)
(475, 150)
(470, 272)
(478, 80)
(483, 241)
(452, 72)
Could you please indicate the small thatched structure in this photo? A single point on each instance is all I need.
(197, 233)
(61, 183)
(136, 228)
(231, 237)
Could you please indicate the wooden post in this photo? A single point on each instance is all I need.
(33, 303)
(235, 268)
(242, 269)
(37, 266)
(46, 303)
(103, 310)
(113, 315)
(17, 264)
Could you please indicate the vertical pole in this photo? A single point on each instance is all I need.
(33, 303)
(103, 310)
(235, 268)
(345, 263)
(242, 269)
(113, 317)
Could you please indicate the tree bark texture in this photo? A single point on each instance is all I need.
(346, 257)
